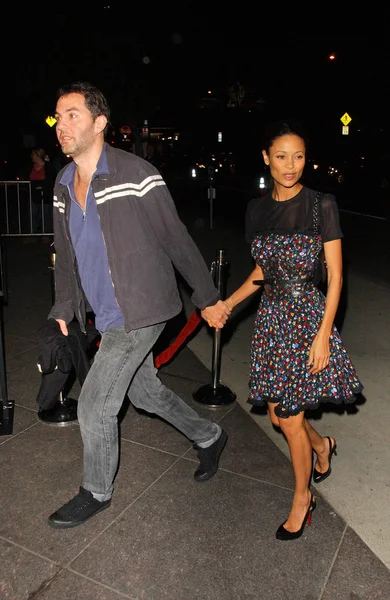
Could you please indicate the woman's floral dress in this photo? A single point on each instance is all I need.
(291, 309)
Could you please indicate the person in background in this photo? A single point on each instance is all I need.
(42, 177)
(298, 359)
(118, 240)
(162, 158)
(150, 154)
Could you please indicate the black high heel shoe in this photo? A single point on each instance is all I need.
(284, 535)
(317, 476)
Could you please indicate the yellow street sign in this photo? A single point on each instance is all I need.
(51, 121)
(345, 130)
(345, 119)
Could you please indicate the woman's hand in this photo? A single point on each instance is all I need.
(228, 303)
(319, 354)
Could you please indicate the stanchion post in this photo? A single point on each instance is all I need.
(7, 406)
(52, 259)
(220, 283)
(211, 193)
(216, 394)
(211, 197)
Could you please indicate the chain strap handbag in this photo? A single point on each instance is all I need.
(320, 275)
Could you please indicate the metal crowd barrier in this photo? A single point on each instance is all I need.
(19, 214)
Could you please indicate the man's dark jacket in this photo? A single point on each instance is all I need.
(144, 239)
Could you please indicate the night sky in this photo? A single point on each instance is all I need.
(158, 63)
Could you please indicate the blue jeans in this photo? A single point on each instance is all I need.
(124, 364)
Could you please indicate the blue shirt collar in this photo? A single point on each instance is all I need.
(101, 169)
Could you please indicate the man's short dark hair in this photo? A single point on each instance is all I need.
(95, 101)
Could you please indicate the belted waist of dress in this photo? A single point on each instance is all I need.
(282, 282)
(294, 286)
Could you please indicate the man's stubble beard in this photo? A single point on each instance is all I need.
(76, 149)
(69, 151)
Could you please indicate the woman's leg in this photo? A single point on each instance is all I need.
(301, 458)
(320, 446)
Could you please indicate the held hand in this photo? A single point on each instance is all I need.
(63, 326)
(229, 305)
(217, 315)
(319, 354)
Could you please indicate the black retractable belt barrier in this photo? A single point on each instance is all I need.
(216, 394)
(64, 412)
(7, 406)
(211, 193)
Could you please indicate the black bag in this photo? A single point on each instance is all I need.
(60, 355)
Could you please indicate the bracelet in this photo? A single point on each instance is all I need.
(227, 305)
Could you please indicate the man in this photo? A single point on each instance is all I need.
(117, 238)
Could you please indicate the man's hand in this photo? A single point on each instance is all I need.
(63, 326)
(217, 315)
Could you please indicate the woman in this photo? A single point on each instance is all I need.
(42, 178)
(297, 357)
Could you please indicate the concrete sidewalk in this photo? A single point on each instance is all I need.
(166, 536)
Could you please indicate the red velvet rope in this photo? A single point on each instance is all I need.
(167, 354)
(188, 328)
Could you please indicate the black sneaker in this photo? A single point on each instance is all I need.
(209, 458)
(81, 508)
